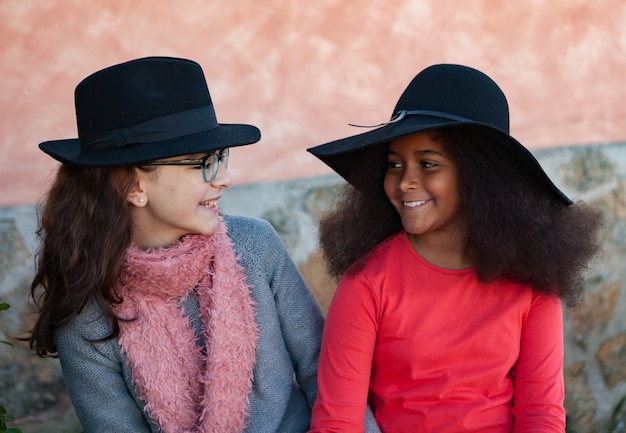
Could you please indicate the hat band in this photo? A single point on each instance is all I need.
(162, 128)
(433, 114)
(403, 113)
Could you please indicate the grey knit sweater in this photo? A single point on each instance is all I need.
(284, 384)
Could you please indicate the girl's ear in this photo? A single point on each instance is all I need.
(136, 195)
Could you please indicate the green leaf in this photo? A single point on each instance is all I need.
(4, 306)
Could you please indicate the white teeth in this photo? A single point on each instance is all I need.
(209, 204)
(414, 203)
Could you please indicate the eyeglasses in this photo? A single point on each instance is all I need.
(209, 164)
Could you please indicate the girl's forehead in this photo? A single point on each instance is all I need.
(420, 141)
(196, 155)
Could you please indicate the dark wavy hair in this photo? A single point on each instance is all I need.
(513, 227)
(85, 229)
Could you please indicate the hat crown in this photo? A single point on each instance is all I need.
(459, 91)
(124, 95)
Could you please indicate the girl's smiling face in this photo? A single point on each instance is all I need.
(421, 184)
(171, 201)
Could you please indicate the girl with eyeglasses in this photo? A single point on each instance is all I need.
(166, 316)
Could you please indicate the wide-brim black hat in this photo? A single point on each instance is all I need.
(440, 96)
(142, 110)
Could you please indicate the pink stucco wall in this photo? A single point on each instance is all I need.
(302, 70)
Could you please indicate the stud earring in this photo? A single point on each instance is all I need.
(141, 200)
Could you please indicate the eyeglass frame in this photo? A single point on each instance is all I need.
(222, 156)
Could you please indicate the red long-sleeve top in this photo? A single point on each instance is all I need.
(433, 350)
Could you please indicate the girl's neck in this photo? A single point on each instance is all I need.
(446, 253)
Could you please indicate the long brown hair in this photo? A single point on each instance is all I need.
(513, 226)
(85, 229)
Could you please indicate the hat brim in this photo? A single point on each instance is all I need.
(346, 155)
(68, 151)
(343, 155)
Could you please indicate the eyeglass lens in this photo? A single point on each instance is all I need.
(211, 164)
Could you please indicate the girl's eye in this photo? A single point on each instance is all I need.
(428, 164)
(393, 164)
(210, 161)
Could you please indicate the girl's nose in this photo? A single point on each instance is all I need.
(223, 178)
(409, 180)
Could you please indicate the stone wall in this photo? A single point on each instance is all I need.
(595, 360)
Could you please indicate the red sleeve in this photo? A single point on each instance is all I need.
(539, 389)
(346, 359)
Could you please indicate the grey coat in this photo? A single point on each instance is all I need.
(290, 327)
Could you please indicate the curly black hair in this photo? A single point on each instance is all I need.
(513, 226)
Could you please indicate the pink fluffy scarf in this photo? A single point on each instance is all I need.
(184, 389)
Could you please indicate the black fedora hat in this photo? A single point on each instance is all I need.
(440, 96)
(142, 110)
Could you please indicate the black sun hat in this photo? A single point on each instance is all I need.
(440, 96)
(142, 110)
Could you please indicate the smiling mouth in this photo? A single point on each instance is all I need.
(414, 203)
(209, 204)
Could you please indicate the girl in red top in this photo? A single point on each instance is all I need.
(456, 251)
